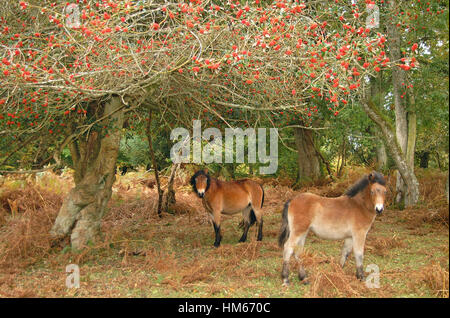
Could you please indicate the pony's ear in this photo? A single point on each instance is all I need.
(205, 170)
(371, 177)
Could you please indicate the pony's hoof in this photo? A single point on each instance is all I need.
(216, 245)
(242, 240)
(360, 276)
(285, 283)
(302, 275)
(360, 273)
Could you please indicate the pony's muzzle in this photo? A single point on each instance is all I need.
(201, 194)
(379, 208)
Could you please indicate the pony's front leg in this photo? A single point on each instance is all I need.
(217, 232)
(358, 249)
(214, 213)
(346, 250)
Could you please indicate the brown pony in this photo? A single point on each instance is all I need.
(229, 198)
(348, 217)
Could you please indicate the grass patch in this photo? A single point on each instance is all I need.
(144, 256)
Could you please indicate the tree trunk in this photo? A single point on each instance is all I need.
(392, 144)
(438, 160)
(154, 164)
(95, 166)
(170, 196)
(411, 143)
(412, 131)
(377, 95)
(308, 159)
(447, 190)
(342, 157)
(381, 156)
(402, 127)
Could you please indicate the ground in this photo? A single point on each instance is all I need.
(141, 255)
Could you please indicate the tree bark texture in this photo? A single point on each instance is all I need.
(405, 121)
(308, 159)
(394, 149)
(154, 164)
(94, 159)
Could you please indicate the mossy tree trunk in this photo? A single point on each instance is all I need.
(94, 157)
(405, 117)
(308, 158)
(447, 194)
(154, 164)
(382, 158)
(388, 132)
(170, 196)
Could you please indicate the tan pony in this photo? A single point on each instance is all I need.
(348, 217)
(230, 197)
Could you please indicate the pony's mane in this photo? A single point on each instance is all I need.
(199, 173)
(362, 183)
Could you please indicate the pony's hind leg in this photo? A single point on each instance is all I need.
(257, 212)
(289, 248)
(260, 229)
(244, 234)
(298, 254)
(259, 224)
(346, 250)
(248, 220)
(257, 202)
(287, 253)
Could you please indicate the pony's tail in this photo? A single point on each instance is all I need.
(262, 200)
(252, 217)
(251, 220)
(284, 231)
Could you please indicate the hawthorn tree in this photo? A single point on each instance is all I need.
(76, 71)
(80, 79)
(284, 56)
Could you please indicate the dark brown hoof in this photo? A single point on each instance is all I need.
(301, 274)
(360, 275)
